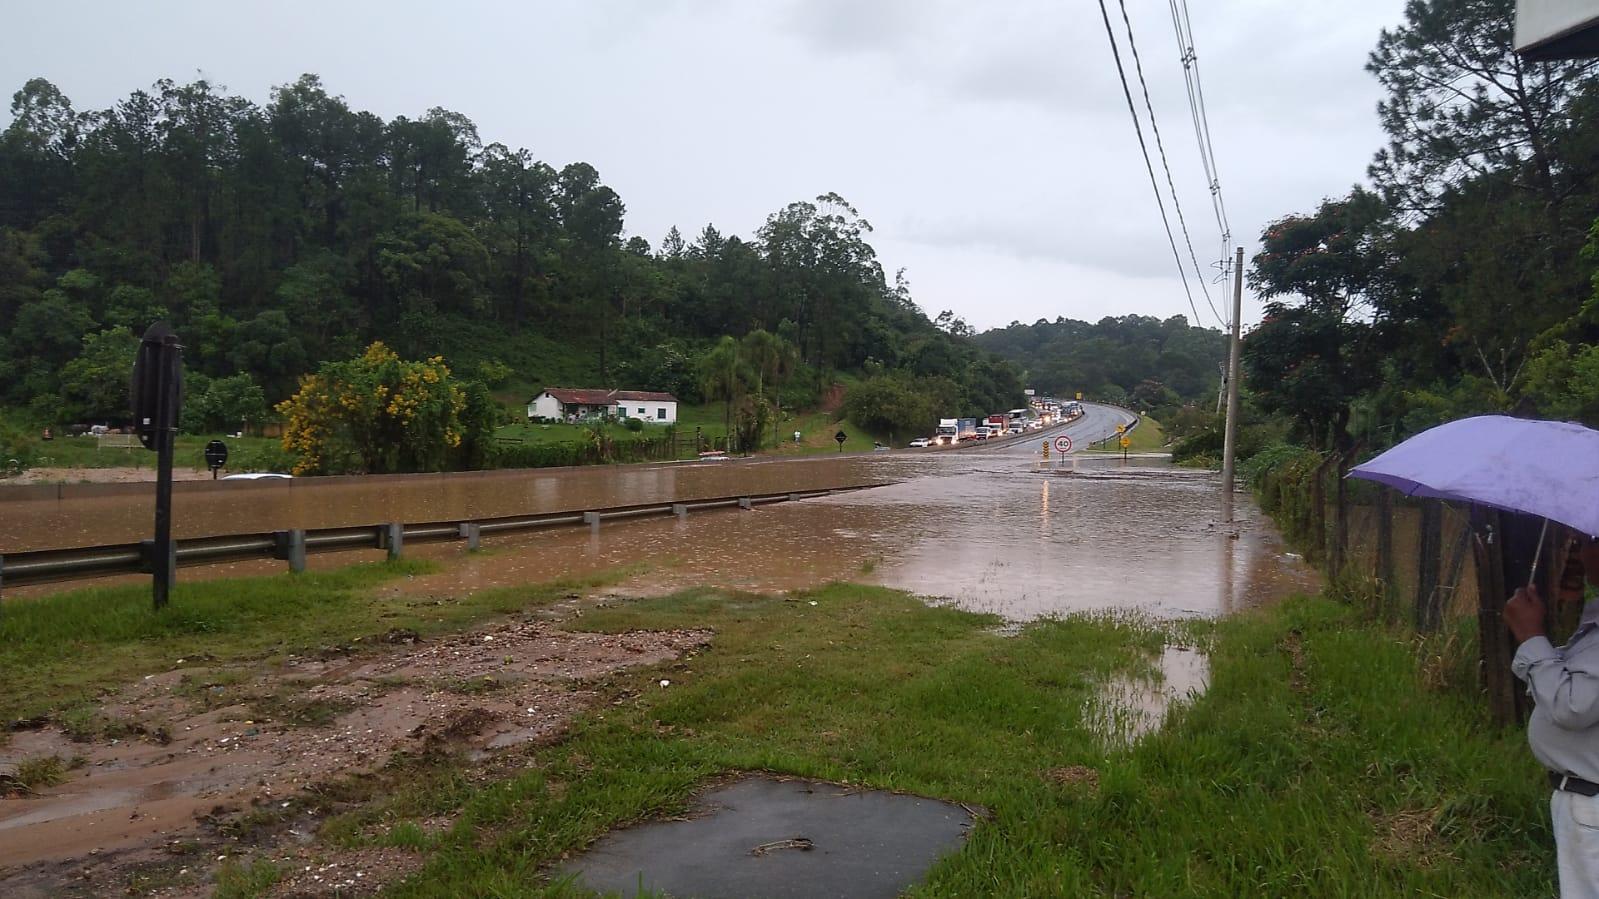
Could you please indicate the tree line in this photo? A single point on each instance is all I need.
(279, 237)
(1460, 279)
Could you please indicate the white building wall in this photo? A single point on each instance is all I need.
(544, 406)
(655, 412)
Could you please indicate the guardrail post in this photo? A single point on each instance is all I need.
(793, 497)
(290, 547)
(744, 503)
(473, 533)
(2, 575)
(592, 519)
(147, 552)
(394, 539)
(680, 510)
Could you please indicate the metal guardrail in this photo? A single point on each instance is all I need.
(292, 546)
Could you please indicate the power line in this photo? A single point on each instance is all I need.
(1183, 27)
(1138, 129)
(1160, 145)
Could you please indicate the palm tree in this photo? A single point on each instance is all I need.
(722, 378)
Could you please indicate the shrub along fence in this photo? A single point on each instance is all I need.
(1431, 564)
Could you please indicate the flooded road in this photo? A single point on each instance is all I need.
(989, 530)
(987, 534)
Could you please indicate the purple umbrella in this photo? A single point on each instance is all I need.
(1544, 468)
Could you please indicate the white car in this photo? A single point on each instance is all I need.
(259, 476)
(921, 442)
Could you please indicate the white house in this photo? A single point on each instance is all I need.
(567, 404)
(653, 408)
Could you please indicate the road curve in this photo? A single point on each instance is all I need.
(1097, 423)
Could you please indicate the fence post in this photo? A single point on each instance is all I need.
(1497, 681)
(1430, 557)
(1385, 548)
(1340, 529)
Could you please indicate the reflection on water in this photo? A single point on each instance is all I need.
(985, 532)
(51, 517)
(1127, 708)
(982, 535)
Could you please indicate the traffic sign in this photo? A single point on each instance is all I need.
(216, 456)
(1063, 444)
(840, 437)
(1126, 442)
(1121, 429)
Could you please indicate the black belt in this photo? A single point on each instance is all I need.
(1573, 784)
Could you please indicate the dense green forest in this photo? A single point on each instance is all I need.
(280, 237)
(1134, 360)
(1461, 279)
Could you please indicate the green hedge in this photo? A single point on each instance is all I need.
(553, 455)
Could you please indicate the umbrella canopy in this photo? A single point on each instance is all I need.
(1544, 468)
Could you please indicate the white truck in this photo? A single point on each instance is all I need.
(949, 432)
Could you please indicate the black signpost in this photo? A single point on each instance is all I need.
(840, 437)
(216, 456)
(157, 395)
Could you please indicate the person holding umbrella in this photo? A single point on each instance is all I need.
(1564, 728)
(1549, 469)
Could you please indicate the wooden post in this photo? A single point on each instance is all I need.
(1494, 641)
(1385, 548)
(1340, 534)
(1507, 545)
(1429, 558)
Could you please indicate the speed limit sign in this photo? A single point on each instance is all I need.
(1063, 444)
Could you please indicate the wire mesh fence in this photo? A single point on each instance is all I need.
(1428, 565)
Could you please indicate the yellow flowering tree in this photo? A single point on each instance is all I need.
(378, 413)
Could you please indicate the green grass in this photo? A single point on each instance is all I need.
(1148, 437)
(1317, 764)
(1324, 760)
(188, 452)
(59, 651)
(817, 430)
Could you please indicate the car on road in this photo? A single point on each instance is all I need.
(920, 442)
(259, 476)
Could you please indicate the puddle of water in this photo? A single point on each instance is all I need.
(1128, 708)
(760, 836)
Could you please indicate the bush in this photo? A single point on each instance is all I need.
(635, 425)
(588, 452)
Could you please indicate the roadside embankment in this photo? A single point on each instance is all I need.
(1319, 762)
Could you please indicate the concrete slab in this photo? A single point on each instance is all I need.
(765, 838)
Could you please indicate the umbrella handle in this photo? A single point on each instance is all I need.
(1543, 535)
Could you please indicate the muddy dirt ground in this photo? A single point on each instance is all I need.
(150, 802)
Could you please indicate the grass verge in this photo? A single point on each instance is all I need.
(1319, 763)
(60, 651)
(1148, 437)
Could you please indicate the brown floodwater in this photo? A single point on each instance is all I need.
(68, 515)
(986, 532)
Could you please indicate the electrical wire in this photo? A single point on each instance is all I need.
(1171, 185)
(1183, 27)
(1138, 128)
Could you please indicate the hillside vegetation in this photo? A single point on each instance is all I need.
(280, 237)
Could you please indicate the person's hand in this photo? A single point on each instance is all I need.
(1524, 614)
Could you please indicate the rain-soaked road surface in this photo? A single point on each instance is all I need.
(988, 529)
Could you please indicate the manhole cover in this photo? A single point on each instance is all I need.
(768, 838)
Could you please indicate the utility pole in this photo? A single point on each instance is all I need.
(1230, 441)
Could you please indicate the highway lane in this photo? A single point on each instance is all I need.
(1097, 423)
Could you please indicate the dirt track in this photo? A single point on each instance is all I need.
(201, 745)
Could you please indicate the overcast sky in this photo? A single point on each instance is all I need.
(989, 144)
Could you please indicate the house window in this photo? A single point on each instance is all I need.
(641, 411)
(660, 414)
